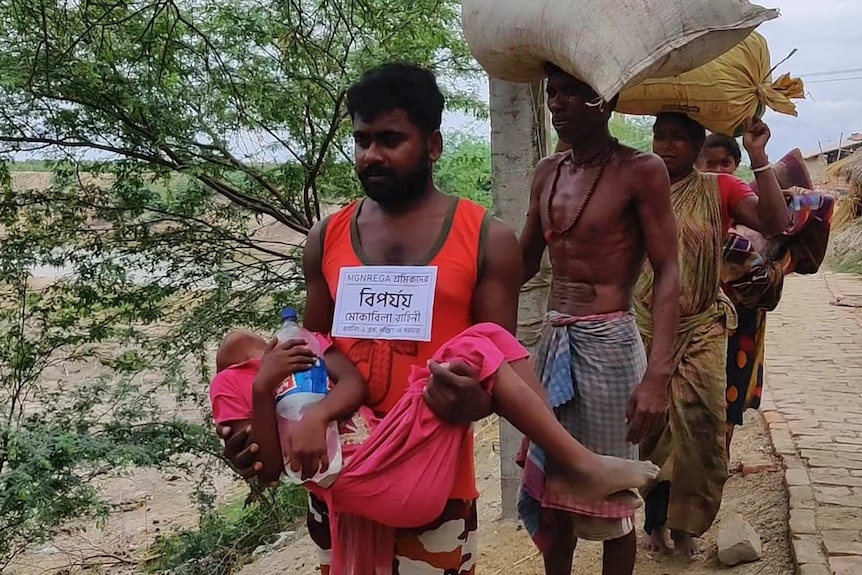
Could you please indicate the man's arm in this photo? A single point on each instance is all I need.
(495, 299)
(532, 239)
(265, 434)
(319, 306)
(454, 394)
(349, 393)
(650, 400)
(279, 361)
(766, 212)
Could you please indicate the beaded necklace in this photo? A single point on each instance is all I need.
(551, 227)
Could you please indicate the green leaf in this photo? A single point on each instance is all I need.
(169, 159)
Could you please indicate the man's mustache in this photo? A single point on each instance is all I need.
(376, 172)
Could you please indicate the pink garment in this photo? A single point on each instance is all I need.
(231, 392)
(231, 389)
(402, 475)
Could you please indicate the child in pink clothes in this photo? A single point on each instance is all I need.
(237, 364)
(249, 369)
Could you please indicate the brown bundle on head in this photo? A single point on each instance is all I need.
(807, 235)
(721, 95)
(791, 172)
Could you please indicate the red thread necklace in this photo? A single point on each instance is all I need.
(552, 229)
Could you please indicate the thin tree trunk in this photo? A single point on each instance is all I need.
(519, 139)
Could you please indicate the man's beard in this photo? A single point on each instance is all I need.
(395, 191)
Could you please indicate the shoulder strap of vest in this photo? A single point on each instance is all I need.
(346, 211)
(483, 242)
(323, 225)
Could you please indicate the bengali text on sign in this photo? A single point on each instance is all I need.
(385, 302)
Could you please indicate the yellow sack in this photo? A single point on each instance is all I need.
(721, 95)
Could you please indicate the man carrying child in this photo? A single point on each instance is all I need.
(397, 111)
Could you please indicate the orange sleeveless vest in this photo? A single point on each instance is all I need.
(386, 365)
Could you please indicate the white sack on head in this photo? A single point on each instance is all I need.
(608, 44)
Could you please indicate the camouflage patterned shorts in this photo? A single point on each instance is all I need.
(447, 546)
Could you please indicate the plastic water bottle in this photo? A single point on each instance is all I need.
(803, 202)
(300, 391)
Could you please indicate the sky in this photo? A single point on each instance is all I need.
(828, 37)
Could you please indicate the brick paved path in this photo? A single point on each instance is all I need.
(814, 376)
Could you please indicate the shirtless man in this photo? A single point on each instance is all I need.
(600, 208)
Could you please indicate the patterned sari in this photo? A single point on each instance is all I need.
(691, 448)
(754, 285)
(752, 275)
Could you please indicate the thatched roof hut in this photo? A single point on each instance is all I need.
(849, 207)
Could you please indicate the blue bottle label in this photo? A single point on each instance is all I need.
(802, 202)
(315, 380)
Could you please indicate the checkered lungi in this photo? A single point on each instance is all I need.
(589, 368)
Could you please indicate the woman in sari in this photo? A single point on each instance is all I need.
(753, 285)
(690, 450)
(753, 269)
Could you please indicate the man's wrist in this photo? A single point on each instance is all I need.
(478, 411)
(658, 374)
(263, 386)
(319, 413)
(488, 409)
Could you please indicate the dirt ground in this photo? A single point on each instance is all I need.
(506, 548)
(144, 504)
(147, 503)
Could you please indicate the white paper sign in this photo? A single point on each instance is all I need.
(385, 302)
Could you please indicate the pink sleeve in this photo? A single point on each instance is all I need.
(486, 347)
(230, 397)
(508, 344)
(323, 341)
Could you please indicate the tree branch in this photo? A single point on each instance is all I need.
(61, 143)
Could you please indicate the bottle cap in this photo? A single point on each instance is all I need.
(289, 314)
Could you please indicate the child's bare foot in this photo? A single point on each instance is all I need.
(612, 479)
(656, 542)
(684, 544)
(616, 474)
